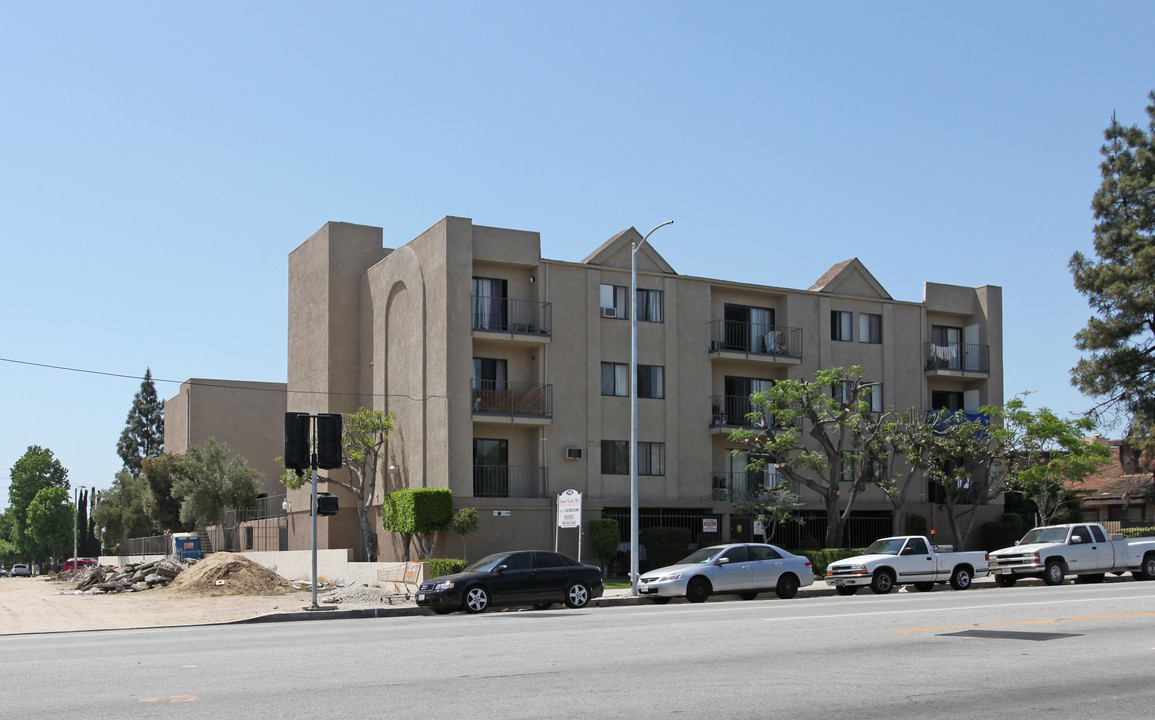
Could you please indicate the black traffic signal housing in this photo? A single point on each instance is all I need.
(329, 450)
(297, 435)
(326, 503)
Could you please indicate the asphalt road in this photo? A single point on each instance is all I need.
(1075, 651)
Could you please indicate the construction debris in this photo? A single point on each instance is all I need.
(134, 577)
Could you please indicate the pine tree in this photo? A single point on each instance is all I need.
(143, 434)
(1120, 285)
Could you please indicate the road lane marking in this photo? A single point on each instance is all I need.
(1023, 622)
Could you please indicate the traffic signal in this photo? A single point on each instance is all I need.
(329, 451)
(326, 503)
(297, 441)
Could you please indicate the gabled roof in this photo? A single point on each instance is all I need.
(615, 252)
(850, 277)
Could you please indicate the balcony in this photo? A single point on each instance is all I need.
(727, 485)
(942, 418)
(752, 341)
(512, 402)
(730, 411)
(525, 320)
(504, 481)
(957, 359)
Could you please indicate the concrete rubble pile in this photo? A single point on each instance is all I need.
(134, 577)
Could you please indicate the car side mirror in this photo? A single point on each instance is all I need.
(501, 568)
(722, 561)
(1076, 540)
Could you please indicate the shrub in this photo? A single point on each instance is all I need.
(819, 559)
(1002, 533)
(665, 545)
(605, 539)
(445, 566)
(417, 513)
(1138, 532)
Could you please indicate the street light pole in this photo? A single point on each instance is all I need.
(634, 407)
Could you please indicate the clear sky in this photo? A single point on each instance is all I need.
(158, 162)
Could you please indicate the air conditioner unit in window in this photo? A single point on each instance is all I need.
(609, 312)
(574, 453)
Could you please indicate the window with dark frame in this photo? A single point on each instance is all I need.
(841, 325)
(616, 458)
(869, 328)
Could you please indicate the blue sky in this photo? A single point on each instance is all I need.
(159, 161)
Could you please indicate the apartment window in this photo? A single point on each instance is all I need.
(750, 329)
(843, 392)
(616, 380)
(946, 400)
(616, 458)
(489, 304)
(649, 305)
(869, 328)
(651, 381)
(841, 325)
(490, 467)
(615, 301)
(489, 373)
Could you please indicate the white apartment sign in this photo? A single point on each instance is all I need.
(569, 509)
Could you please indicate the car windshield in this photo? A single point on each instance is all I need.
(487, 563)
(1045, 535)
(704, 555)
(885, 546)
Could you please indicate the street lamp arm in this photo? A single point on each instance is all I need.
(647, 236)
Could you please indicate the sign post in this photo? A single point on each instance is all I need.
(569, 515)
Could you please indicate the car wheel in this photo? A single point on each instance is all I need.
(748, 595)
(1005, 580)
(924, 587)
(787, 586)
(1055, 573)
(698, 590)
(960, 579)
(476, 599)
(882, 582)
(1146, 571)
(660, 600)
(542, 606)
(442, 611)
(577, 596)
(846, 590)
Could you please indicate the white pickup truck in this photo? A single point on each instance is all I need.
(1083, 549)
(905, 560)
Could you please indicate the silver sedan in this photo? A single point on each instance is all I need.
(742, 569)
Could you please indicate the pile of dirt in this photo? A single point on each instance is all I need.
(223, 573)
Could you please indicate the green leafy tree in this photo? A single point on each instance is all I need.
(160, 474)
(36, 470)
(605, 539)
(911, 438)
(464, 521)
(1054, 459)
(50, 525)
(209, 481)
(7, 548)
(844, 437)
(771, 507)
(417, 514)
(363, 436)
(119, 513)
(143, 435)
(1120, 284)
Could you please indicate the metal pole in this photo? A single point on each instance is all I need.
(313, 606)
(634, 408)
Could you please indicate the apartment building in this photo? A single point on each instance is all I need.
(508, 373)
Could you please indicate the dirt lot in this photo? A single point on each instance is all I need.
(222, 588)
(33, 605)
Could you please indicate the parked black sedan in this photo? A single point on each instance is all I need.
(526, 577)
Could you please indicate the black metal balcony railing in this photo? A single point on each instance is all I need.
(727, 485)
(504, 481)
(513, 316)
(735, 336)
(960, 357)
(491, 397)
(731, 410)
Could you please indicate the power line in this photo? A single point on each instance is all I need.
(218, 385)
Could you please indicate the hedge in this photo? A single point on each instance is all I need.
(819, 559)
(665, 545)
(417, 510)
(445, 566)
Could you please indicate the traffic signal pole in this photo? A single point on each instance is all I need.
(302, 451)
